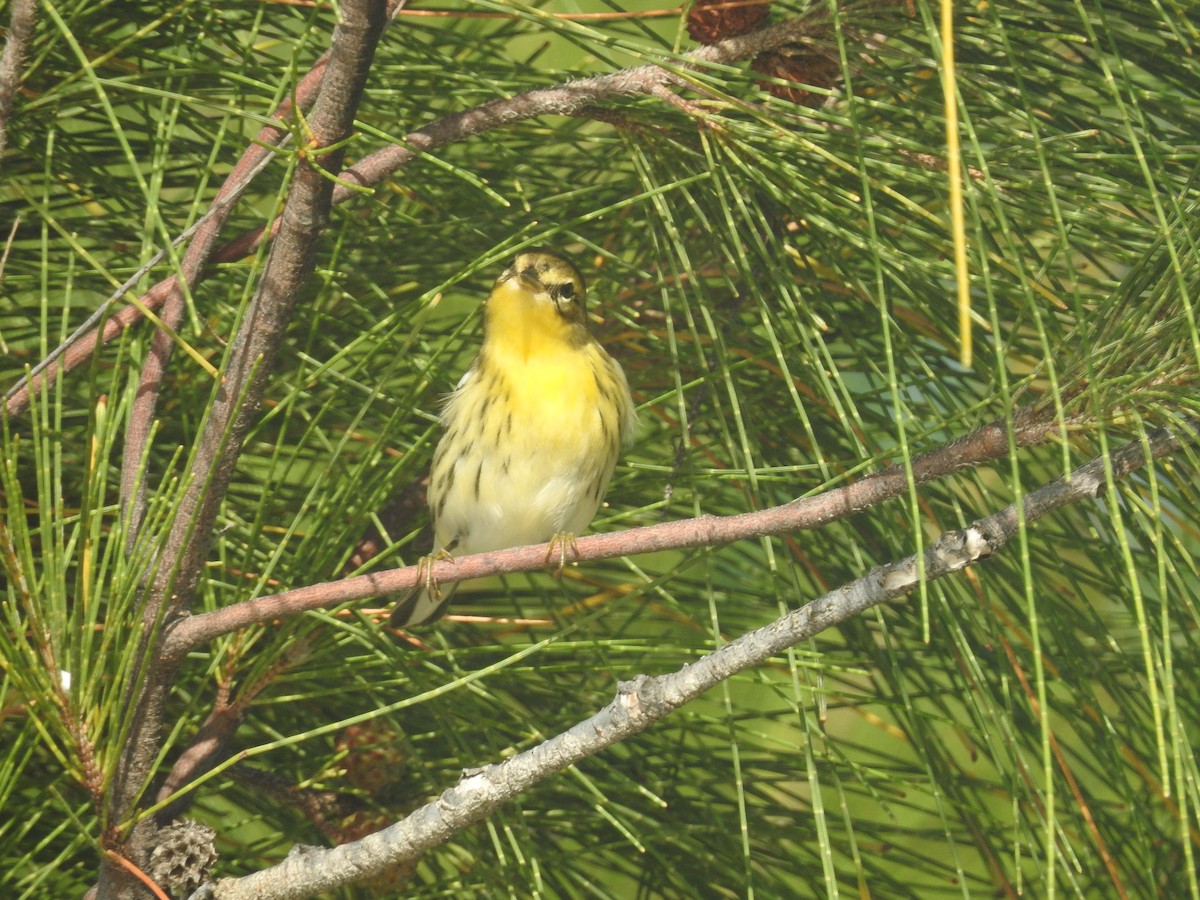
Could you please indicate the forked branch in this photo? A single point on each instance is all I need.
(178, 568)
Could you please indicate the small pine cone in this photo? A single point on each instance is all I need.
(801, 67)
(712, 20)
(183, 856)
(373, 759)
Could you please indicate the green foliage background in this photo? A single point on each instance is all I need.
(777, 282)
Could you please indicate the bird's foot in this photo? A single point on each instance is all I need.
(560, 545)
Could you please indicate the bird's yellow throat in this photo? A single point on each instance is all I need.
(519, 324)
(545, 359)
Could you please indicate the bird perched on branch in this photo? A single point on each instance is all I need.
(532, 432)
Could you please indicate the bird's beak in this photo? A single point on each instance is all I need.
(527, 282)
(523, 281)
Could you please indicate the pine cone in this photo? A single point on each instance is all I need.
(801, 66)
(711, 20)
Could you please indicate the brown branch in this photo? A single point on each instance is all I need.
(20, 30)
(645, 700)
(178, 569)
(572, 98)
(988, 443)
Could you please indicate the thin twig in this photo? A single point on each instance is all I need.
(156, 295)
(645, 700)
(76, 349)
(137, 873)
(569, 99)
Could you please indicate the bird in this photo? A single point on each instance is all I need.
(531, 435)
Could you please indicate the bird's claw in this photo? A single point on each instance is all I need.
(560, 545)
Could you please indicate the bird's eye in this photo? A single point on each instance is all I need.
(565, 291)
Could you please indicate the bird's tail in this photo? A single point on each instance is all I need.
(421, 605)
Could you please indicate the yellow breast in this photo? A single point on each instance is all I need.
(550, 366)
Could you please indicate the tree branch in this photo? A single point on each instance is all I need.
(178, 569)
(569, 99)
(643, 701)
(987, 443)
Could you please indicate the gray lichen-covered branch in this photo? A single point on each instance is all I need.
(645, 700)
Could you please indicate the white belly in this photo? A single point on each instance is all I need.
(537, 470)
